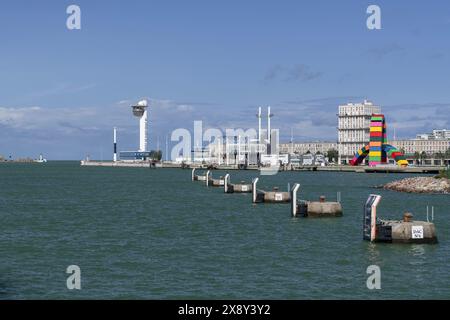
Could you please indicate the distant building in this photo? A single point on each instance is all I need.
(305, 147)
(429, 143)
(354, 128)
(354, 132)
(435, 135)
(429, 146)
(422, 136)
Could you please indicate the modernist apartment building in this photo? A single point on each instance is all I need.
(304, 147)
(430, 147)
(435, 135)
(354, 128)
(353, 134)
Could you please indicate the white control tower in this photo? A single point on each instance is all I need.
(140, 111)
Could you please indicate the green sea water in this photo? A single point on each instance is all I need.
(139, 233)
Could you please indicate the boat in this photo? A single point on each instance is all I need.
(41, 159)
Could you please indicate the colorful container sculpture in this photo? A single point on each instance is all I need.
(378, 150)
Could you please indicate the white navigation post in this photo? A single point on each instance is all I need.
(294, 209)
(373, 220)
(115, 145)
(207, 177)
(254, 193)
(225, 183)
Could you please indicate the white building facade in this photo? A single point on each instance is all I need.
(437, 134)
(305, 147)
(354, 128)
(430, 147)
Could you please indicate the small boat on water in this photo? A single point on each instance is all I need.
(41, 159)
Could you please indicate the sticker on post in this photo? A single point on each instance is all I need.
(417, 232)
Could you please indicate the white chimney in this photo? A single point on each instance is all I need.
(259, 125)
(269, 115)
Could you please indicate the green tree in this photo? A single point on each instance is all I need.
(332, 155)
(440, 156)
(156, 155)
(416, 157)
(423, 156)
(447, 155)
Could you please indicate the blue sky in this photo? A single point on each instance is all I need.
(62, 91)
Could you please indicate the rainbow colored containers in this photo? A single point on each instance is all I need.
(378, 149)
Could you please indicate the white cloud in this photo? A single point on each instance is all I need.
(164, 113)
(36, 118)
(184, 107)
(89, 128)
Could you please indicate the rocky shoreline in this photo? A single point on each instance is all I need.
(420, 185)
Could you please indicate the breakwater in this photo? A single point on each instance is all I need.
(420, 185)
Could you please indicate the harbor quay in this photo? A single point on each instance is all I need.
(362, 147)
(333, 168)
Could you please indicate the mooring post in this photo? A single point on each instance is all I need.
(207, 177)
(193, 174)
(373, 220)
(254, 182)
(432, 213)
(225, 183)
(338, 196)
(294, 199)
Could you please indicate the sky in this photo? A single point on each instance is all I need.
(62, 91)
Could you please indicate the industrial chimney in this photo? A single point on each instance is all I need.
(269, 134)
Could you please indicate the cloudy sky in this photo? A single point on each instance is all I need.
(62, 91)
